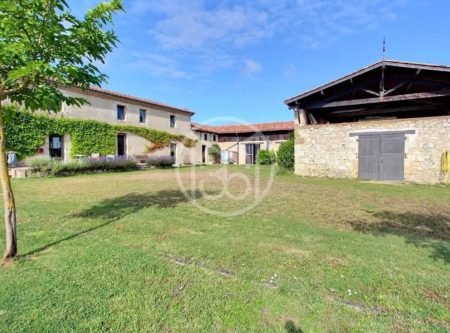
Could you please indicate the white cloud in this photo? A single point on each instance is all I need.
(217, 34)
(252, 67)
(156, 64)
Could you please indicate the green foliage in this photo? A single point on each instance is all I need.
(87, 166)
(43, 46)
(40, 163)
(154, 136)
(161, 161)
(57, 167)
(285, 156)
(265, 157)
(26, 131)
(214, 151)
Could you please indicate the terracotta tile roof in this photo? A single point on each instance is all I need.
(248, 128)
(130, 98)
(203, 128)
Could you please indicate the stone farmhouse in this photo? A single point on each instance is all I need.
(120, 109)
(388, 121)
(239, 143)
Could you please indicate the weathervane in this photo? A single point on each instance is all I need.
(383, 69)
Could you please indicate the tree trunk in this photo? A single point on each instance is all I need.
(8, 198)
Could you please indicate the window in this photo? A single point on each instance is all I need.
(120, 112)
(142, 116)
(172, 121)
(214, 137)
(205, 137)
(173, 149)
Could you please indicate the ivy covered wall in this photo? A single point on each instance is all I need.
(25, 132)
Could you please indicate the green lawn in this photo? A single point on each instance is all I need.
(128, 252)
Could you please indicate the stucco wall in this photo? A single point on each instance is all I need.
(329, 151)
(105, 109)
(234, 148)
(202, 142)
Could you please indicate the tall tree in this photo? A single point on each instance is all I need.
(43, 47)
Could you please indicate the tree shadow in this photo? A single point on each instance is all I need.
(290, 327)
(117, 208)
(430, 230)
(112, 210)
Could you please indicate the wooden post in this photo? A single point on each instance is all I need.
(238, 148)
(302, 120)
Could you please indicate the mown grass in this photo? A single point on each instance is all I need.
(128, 252)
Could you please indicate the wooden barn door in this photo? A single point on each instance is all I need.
(381, 156)
(392, 157)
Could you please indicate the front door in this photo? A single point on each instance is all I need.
(381, 156)
(203, 154)
(251, 150)
(121, 144)
(56, 146)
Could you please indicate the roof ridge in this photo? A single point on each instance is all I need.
(362, 71)
(244, 128)
(249, 124)
(131, 97)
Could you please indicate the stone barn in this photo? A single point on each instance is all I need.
(389, 121)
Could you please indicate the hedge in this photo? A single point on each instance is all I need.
(265, 157)
(285, 156)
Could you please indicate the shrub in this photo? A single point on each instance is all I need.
(214, 151)
(57, 167)
(285, 157)
(164, 161)
(40, 163)
(120, 164)
(265, 157)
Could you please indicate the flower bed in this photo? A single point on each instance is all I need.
(57, 167)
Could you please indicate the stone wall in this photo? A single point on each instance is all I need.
(330, 151)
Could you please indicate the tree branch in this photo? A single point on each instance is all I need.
(25, 82)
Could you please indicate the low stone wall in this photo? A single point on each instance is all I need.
(330, 151)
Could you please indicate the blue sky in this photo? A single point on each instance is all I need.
(244, 58)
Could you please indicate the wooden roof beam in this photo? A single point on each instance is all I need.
(357, 112)
(385, 99)
(370, 92)
(398, 86)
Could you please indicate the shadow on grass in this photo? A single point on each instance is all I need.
(292, 328)
(111, 210)
(117, 208)
(422, 230)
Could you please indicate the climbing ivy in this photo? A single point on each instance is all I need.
(25, 132)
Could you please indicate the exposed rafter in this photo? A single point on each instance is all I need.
(381, 99)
